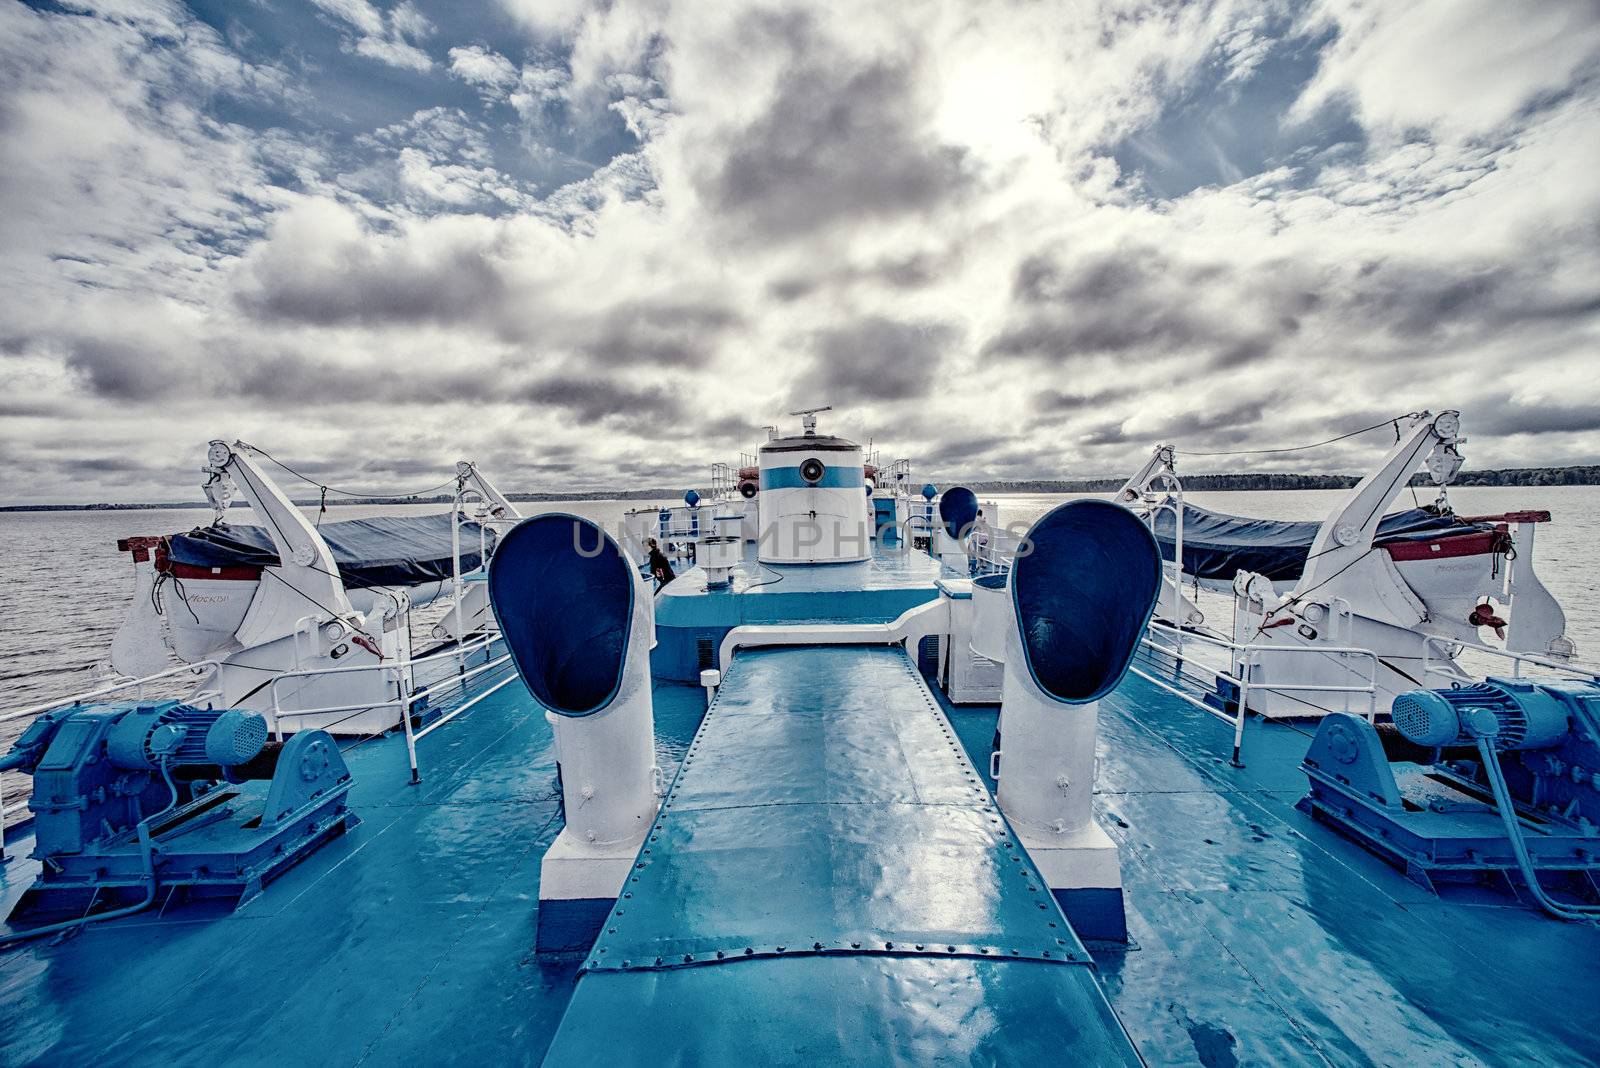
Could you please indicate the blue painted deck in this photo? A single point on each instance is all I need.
(829, 881)
(1261, 937)
(410, 939)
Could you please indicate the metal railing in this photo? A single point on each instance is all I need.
(1245, 657)
(996, 556)
(682, 522)
(1242, 658)
(724, 482)
(403, 701)
(1449, 650)
(305, 626)
(992, 553)
(138, 685)
(895, 477)
(405, 670)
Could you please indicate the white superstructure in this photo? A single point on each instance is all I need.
(813, 499)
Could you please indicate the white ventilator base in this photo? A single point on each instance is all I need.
(579, 882)
(573, 869)
(969, 677)
(1084, 875)
(610, 793)
(1046, 790)
(1082, 859)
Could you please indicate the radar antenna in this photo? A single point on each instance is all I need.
(808, 418)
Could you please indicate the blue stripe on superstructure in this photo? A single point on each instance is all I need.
(832, 478)
(826, 868)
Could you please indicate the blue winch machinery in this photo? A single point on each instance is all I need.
(1503, 781)
(135, 800)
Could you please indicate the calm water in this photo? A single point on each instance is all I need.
(67, 587)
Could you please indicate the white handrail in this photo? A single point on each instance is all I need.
(1429, 643)
(197, 668)
(1250, 653)
(996, 554)
(910, 627)
(401, 701)
(409, 699)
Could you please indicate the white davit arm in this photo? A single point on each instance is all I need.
(306, 564)
(469, 477)
(1347, 533)
(1133, 489)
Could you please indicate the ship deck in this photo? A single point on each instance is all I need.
(828, 854)
(1259, 935)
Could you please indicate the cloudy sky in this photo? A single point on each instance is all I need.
(596, 244)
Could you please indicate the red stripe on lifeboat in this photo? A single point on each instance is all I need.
(189, 572)
(143, 546)
(1479, 543)
(1538, 516)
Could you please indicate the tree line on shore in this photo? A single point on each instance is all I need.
(1511, 476)
(1578, 475)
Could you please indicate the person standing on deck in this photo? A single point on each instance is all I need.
(660, 566)
(978, 543)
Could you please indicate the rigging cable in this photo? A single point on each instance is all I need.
(326, 489)
(1300, 448)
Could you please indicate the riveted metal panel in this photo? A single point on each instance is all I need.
(827, 823)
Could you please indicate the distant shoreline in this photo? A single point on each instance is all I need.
(1577, 475)
(358, 502)
(1582, 475)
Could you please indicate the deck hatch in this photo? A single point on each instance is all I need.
(826, 806)
(827, 835)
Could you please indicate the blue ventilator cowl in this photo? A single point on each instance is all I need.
(562, 591)
(691, 498)
(1083, 594)
(929, 492)
(958, 510)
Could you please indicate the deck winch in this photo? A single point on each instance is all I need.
(132, 798)
(1521, 715)
(1513, 786)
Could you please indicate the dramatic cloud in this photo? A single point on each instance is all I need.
(874, 359)
(387, 36)
(321, 266)
(597, 244)
(840, 138)
(493, 74)
(1452, 67)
